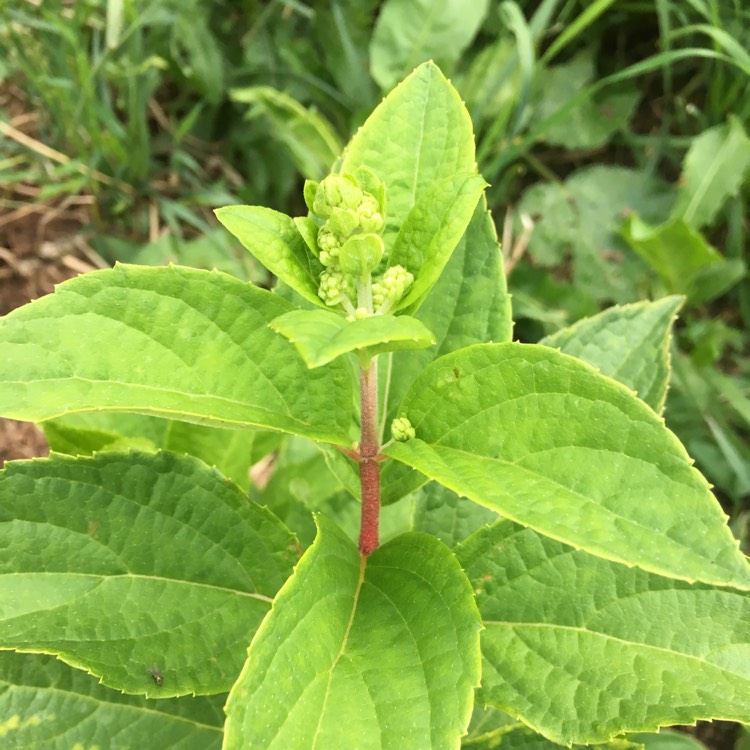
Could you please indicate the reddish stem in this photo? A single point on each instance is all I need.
(369, 467)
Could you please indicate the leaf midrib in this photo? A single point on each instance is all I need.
(344, 641)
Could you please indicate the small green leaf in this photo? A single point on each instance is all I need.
(667, 739)
(714, 169)
(582, 649)
(408, 32)
(321, 336)
(273, 238)
(592, 123)
(675, 250)
(122, 563)
(361, 254)
(629, 343)
(432, 230)
(309, 138)
(543, 439)
(173, 342)
(46, 704)
(308, 230)
(342, 633)
(579, 222)
(424, 103)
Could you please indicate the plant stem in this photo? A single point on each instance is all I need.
(369, 467)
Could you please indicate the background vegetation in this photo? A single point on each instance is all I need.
(596, 123)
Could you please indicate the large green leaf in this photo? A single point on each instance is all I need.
(582, 649)
(377, 652)
(174, 342)
(125, 564)
(46, 704)
(543, 439)
(409, 32)
(421, 133)
(629, 343)
(442, 513)
(431, 232)
(233, 452)
(715, 167)
(321, 336)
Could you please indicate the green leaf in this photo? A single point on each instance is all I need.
(431, 232)
(517, 736)
(593, 122)
(469, 304)
(409, 32)
(676, 251)
(121, 564)
(543, 439)
(578, 222)
(174, 342)
(442, 513)
(344, 28)
(629, 343)
(273, 238)
(714, 169)
(582, 649)
(435, 141)
(667, 740)
(345, 631)
(321, 336)
(46, 704)
(233, 452)
(309, 138)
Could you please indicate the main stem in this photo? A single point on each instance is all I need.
(369, 467)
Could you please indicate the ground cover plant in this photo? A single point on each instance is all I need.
(467, 540)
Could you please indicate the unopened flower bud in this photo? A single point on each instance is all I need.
(401, 429)
(368, 214)
(336, 191)
(391, 287)
(335, 286)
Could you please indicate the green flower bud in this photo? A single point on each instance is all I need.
(361, 254)
(335, 286)
(329, 245)
(391, 287)
(372, 184)
(358, 314)
(402, 430)
(342, 222)
(368, 214)
(336, 191)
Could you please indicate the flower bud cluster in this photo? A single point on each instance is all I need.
(390, 288)
(349, 210)
(336, 286)
(402, 430)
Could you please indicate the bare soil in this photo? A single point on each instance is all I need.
(40, 246)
